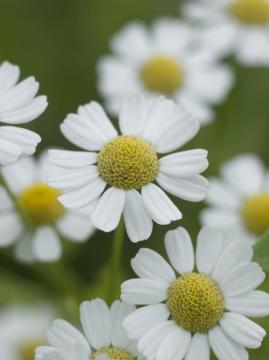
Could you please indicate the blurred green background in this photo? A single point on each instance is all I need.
(60, 41)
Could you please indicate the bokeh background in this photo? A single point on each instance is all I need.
(60, 42)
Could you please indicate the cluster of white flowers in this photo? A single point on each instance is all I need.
(161, 83)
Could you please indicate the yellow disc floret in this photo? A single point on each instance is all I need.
(195, 302)
(128, 162)
(252, 12)
(39, 202)
(113, 353)
(162, 74)
(27, 350)
(255, 213)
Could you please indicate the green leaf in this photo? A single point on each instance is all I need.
(261, 252)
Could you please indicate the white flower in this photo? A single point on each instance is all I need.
(239, 27)
(186, 315)
(118, 176)
(38, 202)
(18, 105)
(22, 329)
(165, 59)
(104, 337)
(240, 200)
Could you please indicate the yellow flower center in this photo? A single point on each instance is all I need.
(162, 74)
(195, 302)
(128, 162)
(113, 353)
(27, 350)
(40, 204)
(255, 213)
(252, 12)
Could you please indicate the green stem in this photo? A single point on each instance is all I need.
(115, 266)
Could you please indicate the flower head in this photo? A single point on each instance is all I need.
(240, 199)
(164, 59)
(104, 337)
(118, 172)
(34, 217)
(18, 105)
(234, 27)
(205, 306)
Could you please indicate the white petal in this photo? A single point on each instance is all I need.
(254, 48)
(175, 345)
(242, 279)
(90, 129)
(96, 322)
(9, 152)
(24, 249)
(107, 214)
(72, 159)
(159, 206)
(119, 311)
(232, 256)
(76, 226)
(5, 201)
(199, 348)
(143, 291)
(253, 303)
(220, 218)
(20, 175)
(242, 330)
(224, 347)
(48, 353)
(62, 333)
(221, 194)
(9, 75)
(46, 244)
(185, 163)
(70, 179)
(18, 141)
(133, 115)
(82, 197)
(244, 173)
(179, 248)
(148, 264)
(137, 221)
(150, 341)
(208, 249)
(11, 228)
(144, 319)
(26, 113)
(192, 188)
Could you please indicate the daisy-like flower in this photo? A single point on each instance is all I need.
(203, 307)
(18, 105)
(240, 200)
(167, 60)
(103, 336)
(238, 27)
(22, 329)
(37, 201)
(116, 173)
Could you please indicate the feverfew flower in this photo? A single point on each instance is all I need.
(18, 105)
(22, 329)
(37, 201)
(165, 59)
(240, 200)
(104, 337)
(117, 172)
(205, 306)
(239, 27)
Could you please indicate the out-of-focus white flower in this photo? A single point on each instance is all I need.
(18, 105)
(238, 27)
(38, 202)
(119, 175)
(205, 306)
(240, 199)
(22, 329)
(104, 337)
(165, 59)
